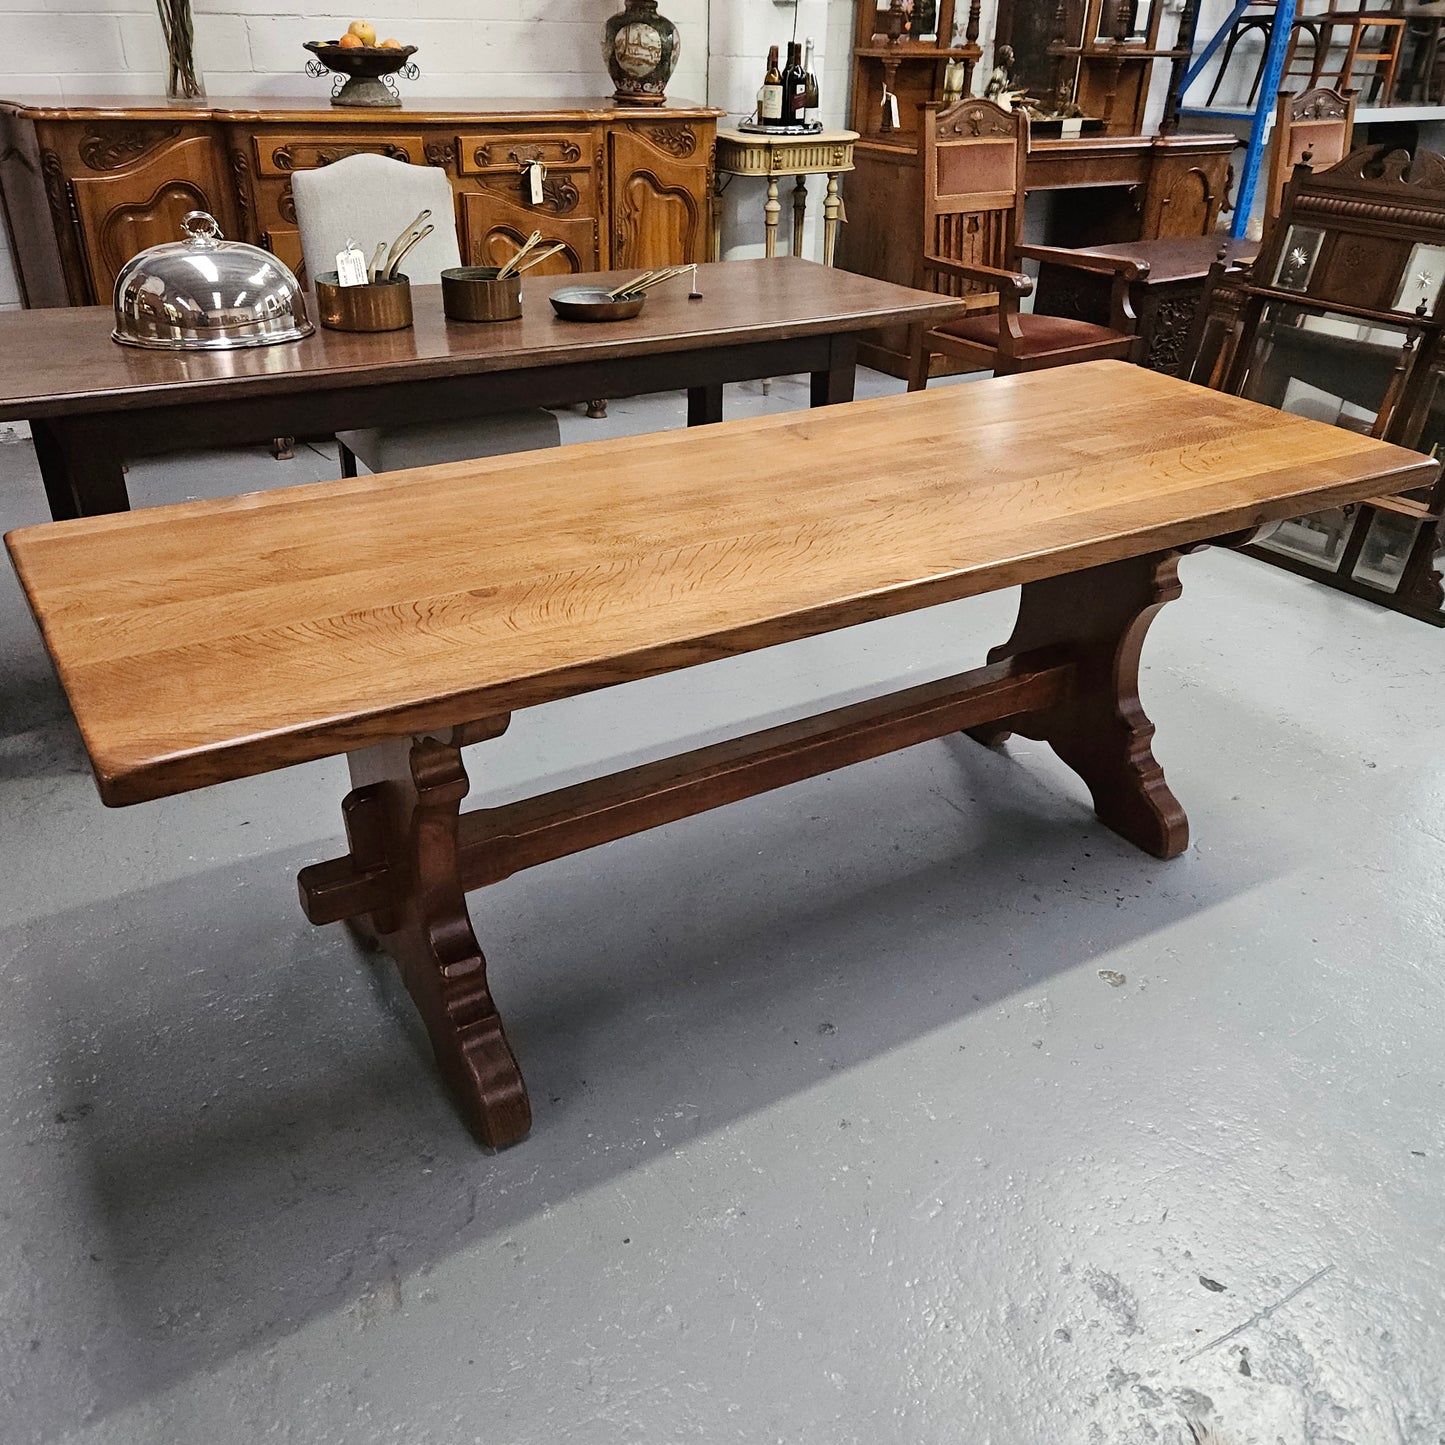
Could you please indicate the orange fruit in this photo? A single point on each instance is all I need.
(391, 45)
(350, 42)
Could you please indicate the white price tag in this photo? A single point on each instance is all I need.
(535, 172)
(893, 110)
(350, 267)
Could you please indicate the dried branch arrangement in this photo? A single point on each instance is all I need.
(182, 81)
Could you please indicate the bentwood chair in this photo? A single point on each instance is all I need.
(371, 198)
(973, 156)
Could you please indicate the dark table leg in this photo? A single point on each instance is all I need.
(836, 383)
(83, 469)
(704, 404)
(1098, 618)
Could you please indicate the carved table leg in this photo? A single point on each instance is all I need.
(1099, 617)
(402, 817)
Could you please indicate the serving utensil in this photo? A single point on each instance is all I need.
(406, 234)
(645, 282)
(421, 235)
(378, 259)
(540, 257)
(528, 246)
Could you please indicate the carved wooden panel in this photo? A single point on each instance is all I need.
(121, 212)
(285, 245)
(1184, 198)
(493, 226)
(280, 153)
(659, 200)
(510, 150)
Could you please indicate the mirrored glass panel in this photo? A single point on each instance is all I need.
(1420, 285)
(1297, 259)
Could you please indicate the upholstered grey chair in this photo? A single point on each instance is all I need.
(370, 198)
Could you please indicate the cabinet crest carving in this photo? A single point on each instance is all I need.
(284, 157)
(441, 153)
(122, 144)
(286, 205)
(677, 140)
(976, 118)
(520, 155)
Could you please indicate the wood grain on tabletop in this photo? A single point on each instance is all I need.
(50, 358)
(211, 640)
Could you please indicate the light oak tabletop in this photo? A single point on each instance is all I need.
(216, 639)
(61, 360)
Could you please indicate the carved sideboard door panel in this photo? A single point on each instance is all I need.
(494, 226)
(499, 207)
(1184, 196)
(124, 211)
(660, 182)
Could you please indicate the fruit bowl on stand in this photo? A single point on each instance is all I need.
(363, 72)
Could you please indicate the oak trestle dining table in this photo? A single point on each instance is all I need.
(401, 618)
(93, 404)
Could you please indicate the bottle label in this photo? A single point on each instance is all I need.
(772, 103)
(797, 101)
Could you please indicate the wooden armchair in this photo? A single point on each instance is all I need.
(973, 155)
(1320, 125)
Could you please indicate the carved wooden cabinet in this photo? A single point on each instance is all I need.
(87, 185)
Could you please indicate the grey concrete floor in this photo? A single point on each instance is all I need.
(903, 1105)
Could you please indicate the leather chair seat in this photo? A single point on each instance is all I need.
(1041, 334)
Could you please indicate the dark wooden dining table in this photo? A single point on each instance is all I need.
(93, 404)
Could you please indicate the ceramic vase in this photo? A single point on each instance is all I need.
(641, 47)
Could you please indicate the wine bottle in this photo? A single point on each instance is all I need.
(810, 85)
(795, 85)
(770, 97)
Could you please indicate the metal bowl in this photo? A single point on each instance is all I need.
(594, 303)
(364, 65)
(207, 294)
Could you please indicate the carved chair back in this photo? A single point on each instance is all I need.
(1319, 124)
(1348, 286)
(974, 153)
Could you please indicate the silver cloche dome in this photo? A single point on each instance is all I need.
(207, 294)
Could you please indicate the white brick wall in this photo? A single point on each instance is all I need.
(469, 48)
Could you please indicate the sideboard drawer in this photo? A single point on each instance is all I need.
(482, 152)
(279, 155)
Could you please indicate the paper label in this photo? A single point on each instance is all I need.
(535, 172)
(893, 110)
(351, 268)
(771, 107)
(1072, 129)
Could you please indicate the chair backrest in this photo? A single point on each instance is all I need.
(1319, 123)
(974, 153)
(1351, 278)
(368, 199)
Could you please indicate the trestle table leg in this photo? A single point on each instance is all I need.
(1099, 618)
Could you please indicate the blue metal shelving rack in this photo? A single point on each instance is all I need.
(1275, 52)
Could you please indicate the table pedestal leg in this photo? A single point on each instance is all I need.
(832, 206)
(83, 472)
(401, 817)
(800, 210)
(1098, 617)
(771, 212)
(704, 404)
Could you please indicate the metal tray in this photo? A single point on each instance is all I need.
(592, 303)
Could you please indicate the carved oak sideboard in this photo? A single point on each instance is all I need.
(88, 183)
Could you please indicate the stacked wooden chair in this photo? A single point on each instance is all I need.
(1343, 311)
